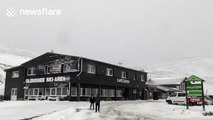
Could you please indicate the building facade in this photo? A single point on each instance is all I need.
(163, 87)
(63, 77)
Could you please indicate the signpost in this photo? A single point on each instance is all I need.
(194, 90)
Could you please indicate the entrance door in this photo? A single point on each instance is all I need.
(13, 94)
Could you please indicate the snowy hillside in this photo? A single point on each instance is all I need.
(11, 56)
(201, 66)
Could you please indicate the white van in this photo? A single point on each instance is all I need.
(178, 98)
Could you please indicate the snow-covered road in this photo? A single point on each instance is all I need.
(110, 110)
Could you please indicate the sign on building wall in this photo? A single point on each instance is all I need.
(123, 81)
(48, 79)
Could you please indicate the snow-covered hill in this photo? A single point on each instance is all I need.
(11, 56)
(201, 66)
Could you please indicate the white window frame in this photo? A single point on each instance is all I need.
(91, 69)
(32, 69)
(75, 91)
(46, 92)
(108, 71)
(135, 76)
(111, 93)
(47, 69)
(66, 68)
(15, 74)
(34, 91)
(124, 74)
(142, 78)
(51, 92)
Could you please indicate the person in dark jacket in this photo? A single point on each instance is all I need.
(92, 101)
(97, 103)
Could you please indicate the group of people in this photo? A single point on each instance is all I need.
(95, 100)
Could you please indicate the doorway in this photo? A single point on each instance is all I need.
(13, 94)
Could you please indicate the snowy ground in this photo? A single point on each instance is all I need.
(113, 110)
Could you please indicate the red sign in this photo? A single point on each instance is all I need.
(194, 99)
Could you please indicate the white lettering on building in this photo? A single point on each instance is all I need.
(48, 79)
(35, 80)
(123, 81)
(58, 79)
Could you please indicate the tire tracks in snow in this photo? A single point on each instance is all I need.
(111, 111)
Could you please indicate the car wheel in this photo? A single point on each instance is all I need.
(169, 102)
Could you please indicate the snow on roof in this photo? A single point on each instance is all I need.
(166, 81)
(167, 89)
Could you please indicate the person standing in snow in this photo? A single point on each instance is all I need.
(92, 101)
(97, 103)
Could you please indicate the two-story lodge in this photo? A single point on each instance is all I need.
(65, 77)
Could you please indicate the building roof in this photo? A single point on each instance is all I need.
(166, 81)
(167, 89)
(49, 53)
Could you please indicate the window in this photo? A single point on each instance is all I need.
(30, 91)
(15, 74)
(88, 91)
(35, 91)
(58, 91)
(123, 74)
(31, 71)
(47, 69)
(105, 93)
(73, 91)
(142, 78)
(47, 91)
(181, 94)
(83, 91)
(173, 95)
(109, 72)
(41, 91)
(135, 76)
(64, 91)
(118, 93)
(66, 68)
(94, 91)
(91, 69)
(111, 93)
(53, 91)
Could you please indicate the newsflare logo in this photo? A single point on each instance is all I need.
(12, 12)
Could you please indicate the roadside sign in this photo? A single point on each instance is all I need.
(194, 90)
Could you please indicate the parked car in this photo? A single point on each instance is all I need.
(178, 98)
(207, 101)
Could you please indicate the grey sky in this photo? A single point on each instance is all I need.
(130, 31)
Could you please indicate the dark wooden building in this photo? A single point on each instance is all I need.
(63, 77)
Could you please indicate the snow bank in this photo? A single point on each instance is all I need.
(110, 110)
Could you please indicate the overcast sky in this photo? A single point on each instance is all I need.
(128, 31)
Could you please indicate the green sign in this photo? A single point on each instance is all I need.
(194, 89)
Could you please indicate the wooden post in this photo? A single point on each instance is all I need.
(203, 96)
(78, 91)
(187, 106)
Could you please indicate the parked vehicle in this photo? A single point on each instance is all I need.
(178, 98)
(207, 101)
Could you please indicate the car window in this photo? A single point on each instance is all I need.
(181, 95)
(207, 98)
(173, 95)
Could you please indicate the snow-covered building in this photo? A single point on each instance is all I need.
(65, 77)
(163, 87)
